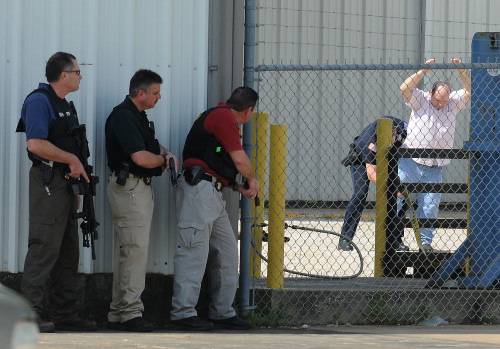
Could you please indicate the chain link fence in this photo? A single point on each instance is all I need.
(320, 110)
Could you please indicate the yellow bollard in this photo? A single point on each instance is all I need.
(277, 191)
(260, 161)
(384, 142)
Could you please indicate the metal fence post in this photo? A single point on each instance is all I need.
(260, 160)
(246, 214)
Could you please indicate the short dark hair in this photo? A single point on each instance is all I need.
(142, 80)
(57, 63)
(242, 98)
(439, 84)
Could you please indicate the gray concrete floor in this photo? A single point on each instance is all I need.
(408, 337)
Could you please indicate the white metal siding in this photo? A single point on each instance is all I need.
(363, 32)
(111, 40)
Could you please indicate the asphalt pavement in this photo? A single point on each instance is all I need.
(387, 337)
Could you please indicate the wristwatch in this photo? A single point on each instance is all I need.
(164, 160)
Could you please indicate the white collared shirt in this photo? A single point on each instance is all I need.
(431, 128)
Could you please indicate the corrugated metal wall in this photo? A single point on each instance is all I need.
(111, 40)
(362, 32)
(365, 31)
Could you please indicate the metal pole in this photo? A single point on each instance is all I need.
(246, 205)
(261, 158)
(277, 192)
(384, 135)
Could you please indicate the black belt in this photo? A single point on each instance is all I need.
(207, 177)
(146, 180)
(218, 184)
(55, 165)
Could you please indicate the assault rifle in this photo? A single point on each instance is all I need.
(80, 186)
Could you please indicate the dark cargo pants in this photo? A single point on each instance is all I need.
(53, 249)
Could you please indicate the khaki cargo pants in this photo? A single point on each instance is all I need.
(132, 209)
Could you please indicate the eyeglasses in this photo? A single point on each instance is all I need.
(73, 71)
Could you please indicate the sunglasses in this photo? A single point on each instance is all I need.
(73, 71)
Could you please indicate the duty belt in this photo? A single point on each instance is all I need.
(146, 180)
(217, 183)
(55, 166)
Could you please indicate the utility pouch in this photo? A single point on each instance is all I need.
(194, 174)
(122, 173)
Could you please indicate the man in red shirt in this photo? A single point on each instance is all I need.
(213, 156)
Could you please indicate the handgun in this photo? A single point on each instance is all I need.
(173, 172)
(256, 200)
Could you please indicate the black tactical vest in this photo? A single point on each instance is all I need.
(204, 146)
(61, 130)
(115, 153)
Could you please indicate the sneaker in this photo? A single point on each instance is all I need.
(76, 325)
(193, 323)
(427, 248)
(345, 245)
(137, 324)
(403, 248)
(233, 323)
(45, 326)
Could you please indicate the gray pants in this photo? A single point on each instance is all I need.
(132, 208)
(205, 239)
(53, 251)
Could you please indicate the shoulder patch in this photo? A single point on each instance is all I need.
(372, 147)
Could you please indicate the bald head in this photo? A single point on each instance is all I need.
(440, 94)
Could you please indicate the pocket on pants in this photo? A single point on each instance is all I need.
(191, 234)
(130, 232)
(41, 229)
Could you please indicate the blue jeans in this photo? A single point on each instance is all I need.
(428, 203)
(357, 203)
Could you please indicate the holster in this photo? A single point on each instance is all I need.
(352, 158)
(47, 174)
(194, 174)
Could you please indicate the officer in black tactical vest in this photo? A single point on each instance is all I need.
(56, 153)
(134, 157)
(213, 156)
